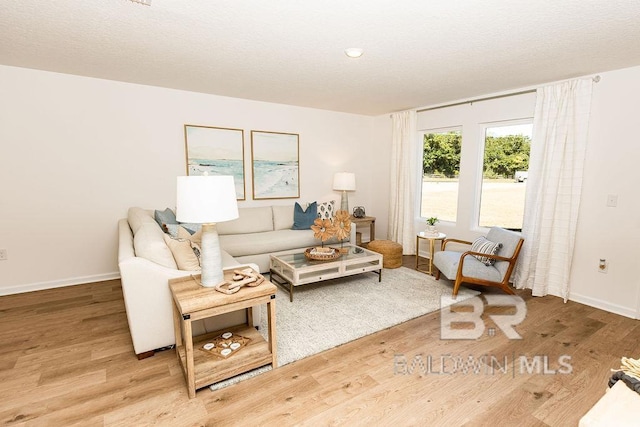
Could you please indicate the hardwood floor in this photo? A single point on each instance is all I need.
(66, 359)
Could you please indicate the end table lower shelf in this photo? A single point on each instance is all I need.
(209, 368)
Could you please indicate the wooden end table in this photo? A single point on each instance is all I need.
(367, 220)
(195, 302)
(432, 248)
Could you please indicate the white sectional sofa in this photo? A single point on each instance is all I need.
(260, 232)
(146, 264)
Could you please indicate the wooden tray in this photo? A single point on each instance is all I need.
(322, 257)
(221, 343)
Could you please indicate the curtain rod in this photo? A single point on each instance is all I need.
(595, 79)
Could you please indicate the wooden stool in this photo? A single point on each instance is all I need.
(391, 252)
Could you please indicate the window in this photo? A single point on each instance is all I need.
(440, 171)
(504, 174)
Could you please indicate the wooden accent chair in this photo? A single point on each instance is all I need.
(462, 267)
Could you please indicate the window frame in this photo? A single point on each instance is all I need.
(480, 163)
(421, 133)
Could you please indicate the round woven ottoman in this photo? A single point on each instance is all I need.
(391, 252)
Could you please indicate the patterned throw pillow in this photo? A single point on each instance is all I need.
(172, 229)
(327, 210)
(196, 237)
(186, 253)
(484, 246)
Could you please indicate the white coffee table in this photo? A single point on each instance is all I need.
(295, 269)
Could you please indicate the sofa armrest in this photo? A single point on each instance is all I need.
(352, 235)
(148, 302)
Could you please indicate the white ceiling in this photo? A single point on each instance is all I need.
(417, 52)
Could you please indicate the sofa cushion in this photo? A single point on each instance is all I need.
(270, 241)
(282, 217)
(184, 252)
(303, 218)
(149, 243)
(138, 216)
(250, 220)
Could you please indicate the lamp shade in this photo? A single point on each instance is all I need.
(344, 181)
(206, 199)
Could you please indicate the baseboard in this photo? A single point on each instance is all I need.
(58, 283)
(603, 305)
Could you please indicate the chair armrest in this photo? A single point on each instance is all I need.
(445, 241)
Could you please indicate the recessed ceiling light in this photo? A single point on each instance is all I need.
(144, 2)
(354, 52)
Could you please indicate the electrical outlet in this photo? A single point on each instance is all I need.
(3, 254)
(603, 265)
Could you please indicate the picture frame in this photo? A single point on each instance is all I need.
(216, 151)
(275, 165)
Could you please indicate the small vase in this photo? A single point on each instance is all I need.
(431, 229)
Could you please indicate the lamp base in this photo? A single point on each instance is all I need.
(210, 256)
(344, 202)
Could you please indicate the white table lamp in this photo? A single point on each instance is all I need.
(207, 200)
(344, 181)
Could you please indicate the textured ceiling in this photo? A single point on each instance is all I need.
(417, 52)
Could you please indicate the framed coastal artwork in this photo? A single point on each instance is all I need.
(275, 160)
(216, 151)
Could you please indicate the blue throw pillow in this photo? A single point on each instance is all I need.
(165, 217)
(303, 219)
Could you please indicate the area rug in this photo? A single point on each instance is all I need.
(327, 314)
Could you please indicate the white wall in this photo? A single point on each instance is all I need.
(611, 168)
(76, 153)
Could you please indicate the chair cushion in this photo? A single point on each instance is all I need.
(447, 262)
(484, 246)
(509, 240)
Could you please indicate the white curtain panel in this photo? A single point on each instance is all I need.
(403, 181)
(554, 186)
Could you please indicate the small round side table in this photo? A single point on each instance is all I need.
(432, 248)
